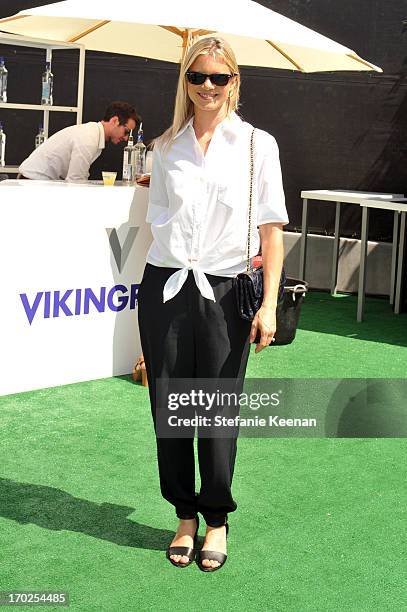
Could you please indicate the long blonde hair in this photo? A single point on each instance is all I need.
(184, 108)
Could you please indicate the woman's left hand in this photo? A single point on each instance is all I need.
(265, 322)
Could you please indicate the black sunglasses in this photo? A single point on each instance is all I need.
(198, 78)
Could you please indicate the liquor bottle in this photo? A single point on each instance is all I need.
(128, 161)
(47, 85)
(40, 137)
(2, 146)
(140, 154)
(3, 81)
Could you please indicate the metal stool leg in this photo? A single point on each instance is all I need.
(397, 299)
(335, 258)
(394, 255)
(362, 268)
(303, 248)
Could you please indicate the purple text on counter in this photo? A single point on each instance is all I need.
(52, 304)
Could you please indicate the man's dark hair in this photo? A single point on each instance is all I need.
(122, 110)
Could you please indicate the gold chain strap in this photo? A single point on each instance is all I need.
(250, 200)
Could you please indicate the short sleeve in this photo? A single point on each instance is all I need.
(271, 206)
(158, 198)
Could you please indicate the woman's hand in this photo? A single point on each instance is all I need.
(265, 322)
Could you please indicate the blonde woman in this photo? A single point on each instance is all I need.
(188, 319)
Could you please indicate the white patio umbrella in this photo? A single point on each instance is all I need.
(160, 29)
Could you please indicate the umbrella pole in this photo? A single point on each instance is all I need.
(187, 40)
(188, 37)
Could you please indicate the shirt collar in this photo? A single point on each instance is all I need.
(229, 125)
(102, 137)
(184, 127)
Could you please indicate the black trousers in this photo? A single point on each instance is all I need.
(193, 337)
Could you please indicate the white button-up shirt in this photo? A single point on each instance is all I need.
(198, 204)
(66, 155)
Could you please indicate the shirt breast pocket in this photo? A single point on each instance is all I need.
(229, 225)
(179, 190)
(227, 196)
(232, 215)
(175, 181)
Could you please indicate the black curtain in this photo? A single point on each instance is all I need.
(335, 130)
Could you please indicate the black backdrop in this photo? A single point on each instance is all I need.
(335, 130)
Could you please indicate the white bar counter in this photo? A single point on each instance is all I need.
(72, 257)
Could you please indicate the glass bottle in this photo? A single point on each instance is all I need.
(40, 137)
(140, 154)
(47, 86)
(128, 161)
(2, 146)
(3, 81)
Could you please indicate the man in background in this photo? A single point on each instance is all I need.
(68, 154)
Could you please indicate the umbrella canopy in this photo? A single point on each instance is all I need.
(160, 29)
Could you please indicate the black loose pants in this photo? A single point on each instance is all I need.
(190, 336)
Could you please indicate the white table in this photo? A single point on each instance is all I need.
(340, 196)
(400, 209)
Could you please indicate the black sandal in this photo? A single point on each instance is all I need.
(212, 555)
(184, 550)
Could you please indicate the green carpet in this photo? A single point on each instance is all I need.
(332, 344)
(320, 524)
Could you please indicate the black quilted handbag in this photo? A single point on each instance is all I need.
(249, 291)
(248, 287)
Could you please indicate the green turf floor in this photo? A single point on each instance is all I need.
(320, 524)
(331, 343)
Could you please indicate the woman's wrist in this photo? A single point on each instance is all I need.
(269, 304)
